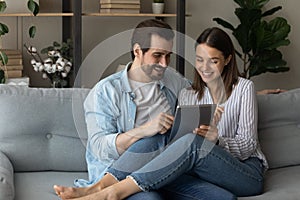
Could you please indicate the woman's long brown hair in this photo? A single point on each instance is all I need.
(218, 39)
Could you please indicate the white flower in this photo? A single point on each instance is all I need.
(48, 61)
(44, 76)
(69, 64)
(51, 53)
(32, 50)
(67, 69)
(53, 68)
(64, 74)
(33, 61)
(35, 68)
(47, 66)
(59, 67)
(41, 68)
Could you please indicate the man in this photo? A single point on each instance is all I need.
(133, 104)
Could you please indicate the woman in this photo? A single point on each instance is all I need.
(235, 163)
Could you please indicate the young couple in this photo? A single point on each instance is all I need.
(131, 153)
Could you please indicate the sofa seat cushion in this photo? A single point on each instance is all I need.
(39, 185)
(281, 183)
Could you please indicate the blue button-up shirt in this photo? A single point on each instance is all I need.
(110, 110)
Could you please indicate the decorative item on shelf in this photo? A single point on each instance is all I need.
(57, 66)
(120, 6)
(258, 38)
(14, 65)
(33, 7)
(158, 6)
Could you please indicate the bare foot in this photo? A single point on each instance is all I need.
(108, 193)
(71, 192)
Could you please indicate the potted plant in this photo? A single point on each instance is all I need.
(33, 7)
(56, 65)
(158, 6)
(259, 39)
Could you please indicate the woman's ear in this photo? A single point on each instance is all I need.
(228, 59)
(136, 50)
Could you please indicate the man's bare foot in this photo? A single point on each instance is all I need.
(108, 193)
(71, 192)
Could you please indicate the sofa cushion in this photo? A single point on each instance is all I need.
(281, 184)
(6, 178)
(39, 185)
(44, 128)
(279, 127)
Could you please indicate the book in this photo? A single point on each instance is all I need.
(18, 81)
(9, 52)
(121, 1)
(13, 73)
(119, 5)
(14, 61)
(120, 10)
(12, 67)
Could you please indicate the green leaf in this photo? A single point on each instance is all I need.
(3, 29)
(3, 58)
(279, 27)
(2, 6)
(33, 7)
(32, 31)
(271, 11)
(56, 44)
(223, 23)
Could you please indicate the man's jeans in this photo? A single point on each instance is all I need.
(207, 165)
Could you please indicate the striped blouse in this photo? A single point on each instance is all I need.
(237, 128)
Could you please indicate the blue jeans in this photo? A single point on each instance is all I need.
(188, 187)
(190, 154)
(153, 195)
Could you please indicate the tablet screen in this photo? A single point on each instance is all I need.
(189, 117)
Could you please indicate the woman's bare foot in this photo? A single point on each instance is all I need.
(71, 192)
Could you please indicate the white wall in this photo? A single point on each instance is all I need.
(96, 30)
(203, 11)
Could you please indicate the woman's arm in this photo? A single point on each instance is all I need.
(242, 141)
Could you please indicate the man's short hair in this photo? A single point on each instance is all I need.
(144, 30)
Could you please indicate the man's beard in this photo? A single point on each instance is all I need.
(154, 71)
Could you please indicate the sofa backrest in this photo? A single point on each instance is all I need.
(279, 127)
(43, 129)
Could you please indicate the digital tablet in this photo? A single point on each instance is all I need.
(189, 117)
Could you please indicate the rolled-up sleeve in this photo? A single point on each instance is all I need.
(101, 120)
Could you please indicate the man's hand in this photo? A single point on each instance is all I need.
(161, 124)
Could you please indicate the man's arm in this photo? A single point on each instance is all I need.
(161, 124)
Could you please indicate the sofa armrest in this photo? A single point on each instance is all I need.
(7, 190)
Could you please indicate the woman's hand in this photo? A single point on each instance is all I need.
(210, 132)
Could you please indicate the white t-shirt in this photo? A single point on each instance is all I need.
(150, 101)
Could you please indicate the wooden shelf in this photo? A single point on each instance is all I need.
(39, 15)
(89, 14)
(128, 15)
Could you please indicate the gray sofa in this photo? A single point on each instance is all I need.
(43, 137)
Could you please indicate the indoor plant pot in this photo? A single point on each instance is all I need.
(158, 6)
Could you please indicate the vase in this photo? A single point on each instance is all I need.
(158, 8)
(59, 83)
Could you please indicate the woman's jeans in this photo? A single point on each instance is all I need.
(198, 160)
